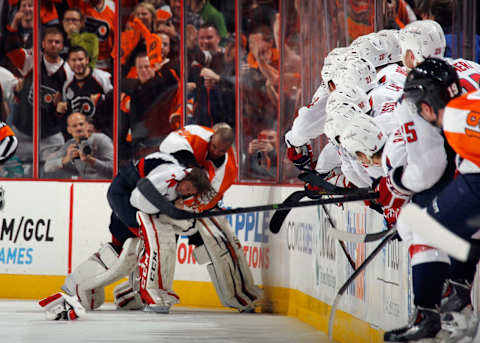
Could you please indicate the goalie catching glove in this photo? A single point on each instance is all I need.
(301, 156)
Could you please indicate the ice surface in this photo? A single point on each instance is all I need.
(24, 321)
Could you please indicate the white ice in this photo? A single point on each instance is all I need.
(24, 321)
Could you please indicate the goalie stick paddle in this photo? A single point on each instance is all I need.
(352, 278)
(148, 190)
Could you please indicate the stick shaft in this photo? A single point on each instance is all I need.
(352, 277)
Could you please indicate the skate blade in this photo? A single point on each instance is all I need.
(157, 309)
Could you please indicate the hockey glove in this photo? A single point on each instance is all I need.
(391, 200)
(60, 306)
(301, 156)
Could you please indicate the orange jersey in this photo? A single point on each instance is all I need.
(102, 23)
(461, 125)
(195, 138)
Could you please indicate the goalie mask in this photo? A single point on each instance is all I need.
(434, 82)
(363, 135)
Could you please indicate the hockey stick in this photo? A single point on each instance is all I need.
(355, 274)
(342, 243)
(359, 237)
(279, 216)
(148, 190)
(315, 179)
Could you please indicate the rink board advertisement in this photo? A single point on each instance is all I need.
(58, 225)
(34, 228)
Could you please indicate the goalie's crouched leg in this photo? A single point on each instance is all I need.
(101, 269)
(227, 265)
(157, 261)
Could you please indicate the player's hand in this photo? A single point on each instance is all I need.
(389, 196)
(301, 156)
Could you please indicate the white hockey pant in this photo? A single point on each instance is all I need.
(157, 263)
(101, 269)
(227, 264)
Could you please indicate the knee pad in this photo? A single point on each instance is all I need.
(227, 265)
(157, 263)
(102, 268)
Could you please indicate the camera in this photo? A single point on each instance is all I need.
(83, 146)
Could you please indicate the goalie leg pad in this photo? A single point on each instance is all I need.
(126, 295)
(102, 268)
(60, 306)
(227, 266)
(157, 264)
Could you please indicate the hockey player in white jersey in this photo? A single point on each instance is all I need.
(394, 71)
(310, 119)
(143, 240)
(366, 140)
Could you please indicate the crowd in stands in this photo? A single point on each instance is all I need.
(76, 71)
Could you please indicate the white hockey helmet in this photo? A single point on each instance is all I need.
(363, 135)
(356, 71)
(331, 63)
(424, 38)
(372, 48)
(337, 119)
(351, 94)
(390, 37)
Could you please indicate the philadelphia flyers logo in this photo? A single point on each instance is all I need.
(83, 104)
(98, 27)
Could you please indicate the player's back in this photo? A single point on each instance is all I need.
(461, 125)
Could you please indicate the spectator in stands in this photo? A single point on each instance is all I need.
(215, 92)
(84, 156)
(147, 14)
(152, 97)
(100, 20)
(138, 37)
(259, 83)
(54, 73)
(262, 155)
(397, 14)
(19, 39)
(164, 23)
(87, 91)
(8, 83)
(209, 15)
(73, 24)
